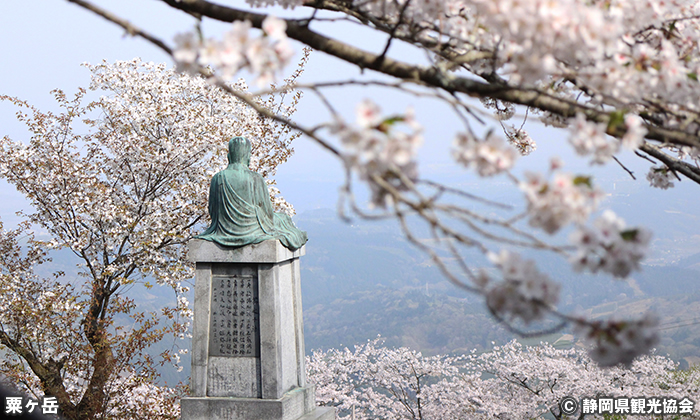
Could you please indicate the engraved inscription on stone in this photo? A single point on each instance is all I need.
(235, 316)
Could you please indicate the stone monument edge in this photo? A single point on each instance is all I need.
(270, 251)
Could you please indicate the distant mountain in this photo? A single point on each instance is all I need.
(691, 262)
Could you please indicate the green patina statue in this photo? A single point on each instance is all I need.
(240, 207)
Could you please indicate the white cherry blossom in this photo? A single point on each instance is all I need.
(634, 137)
(488, 157)
(610, 246)
(621, 341)
(264, 56)
(524, 293)
(660, 177)
(589, 138)
(378, 149)
(565, 200)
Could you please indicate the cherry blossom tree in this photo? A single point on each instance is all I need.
(615, 74)
(510, 382)
(123, 194)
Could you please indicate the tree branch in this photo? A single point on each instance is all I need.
(690, 171)
(49, 374)
(428, 76)
(128, 27)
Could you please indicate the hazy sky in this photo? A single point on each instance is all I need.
(44, 42)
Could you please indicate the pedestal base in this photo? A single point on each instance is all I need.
(248, 336)
(297, 404)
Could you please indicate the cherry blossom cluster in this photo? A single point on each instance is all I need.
(621, 341)
(609, 246)
(524, 293)
(379, 151)
(278, 202)
(373, 381)
(502, 110)
(490, 156)
(565, 200)
(538, 34)
(520, 139)
(137, 397)
(687, 152)
(263, 56)
(660, 177)
(590, 138)
(539, 377)
(611, 47)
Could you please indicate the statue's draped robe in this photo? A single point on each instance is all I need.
(241, 211)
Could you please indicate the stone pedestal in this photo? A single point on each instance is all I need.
(248, 336)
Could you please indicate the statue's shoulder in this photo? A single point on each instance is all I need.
(257, 177)
(217, 177)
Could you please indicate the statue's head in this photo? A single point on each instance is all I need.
(239, 151)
